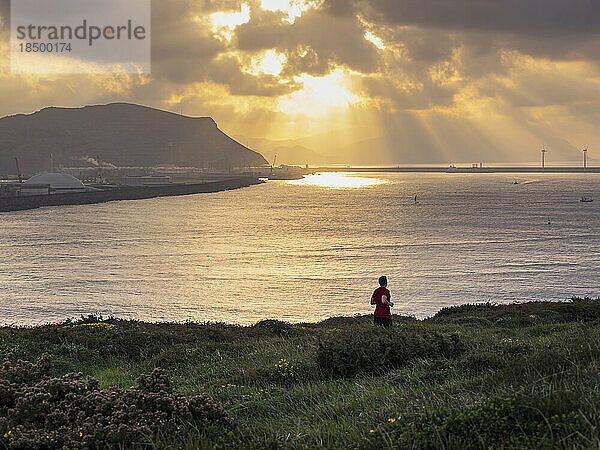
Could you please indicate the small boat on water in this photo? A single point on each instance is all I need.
(585, 199)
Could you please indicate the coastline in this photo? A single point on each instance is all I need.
(513, 307)
(8, 204)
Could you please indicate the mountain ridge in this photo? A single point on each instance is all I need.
(121, 134)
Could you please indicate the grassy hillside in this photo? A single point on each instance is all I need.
(475, 376)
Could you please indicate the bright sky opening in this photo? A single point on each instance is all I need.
(293, 8)
(223, 23)
(270, 63)
(319, 95)
(374, 40)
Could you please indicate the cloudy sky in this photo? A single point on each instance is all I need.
(380, 81)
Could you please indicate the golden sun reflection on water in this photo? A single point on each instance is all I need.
(337, 180)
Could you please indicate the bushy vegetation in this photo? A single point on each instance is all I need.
(38, 411)
(475, 376)
(376, 350)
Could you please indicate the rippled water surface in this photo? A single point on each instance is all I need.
(305, 251)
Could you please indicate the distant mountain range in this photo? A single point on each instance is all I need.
(285, 151)
(120, 134)
(440, 140)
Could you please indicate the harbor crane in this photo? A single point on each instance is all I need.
(19, 174)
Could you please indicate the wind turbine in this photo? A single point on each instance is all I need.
(585, 150)
(544, 157)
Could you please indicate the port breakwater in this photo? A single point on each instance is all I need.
(457, 169)
(123, 193)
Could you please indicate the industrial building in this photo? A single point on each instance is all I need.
(43, 184)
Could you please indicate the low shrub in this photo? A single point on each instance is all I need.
(435, 371)
(512, 421)
(272, 327)
(37, 411)
(526, 314)
(176, 358)
(11, 346)
(466, 309)
(115, 338)
(282, 371)
(513, 347)
(374, 350)
(472, 321)
(477, 363)
(76, 352)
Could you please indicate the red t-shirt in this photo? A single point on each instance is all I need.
(381, 310)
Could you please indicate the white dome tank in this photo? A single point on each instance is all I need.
(59, 182)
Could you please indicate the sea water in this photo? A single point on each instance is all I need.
(304, 251)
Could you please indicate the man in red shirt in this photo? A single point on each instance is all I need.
(381, 298)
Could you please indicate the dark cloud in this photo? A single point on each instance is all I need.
(546, 17)
(211, 6)
(184, 50)
(528, 83)
(314, 42)
(181, 48)
(305, 59)
(227, 71)
(408, 94)
(555, 29)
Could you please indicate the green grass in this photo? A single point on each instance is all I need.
(515, 376)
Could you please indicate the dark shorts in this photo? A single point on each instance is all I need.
(385, 321)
